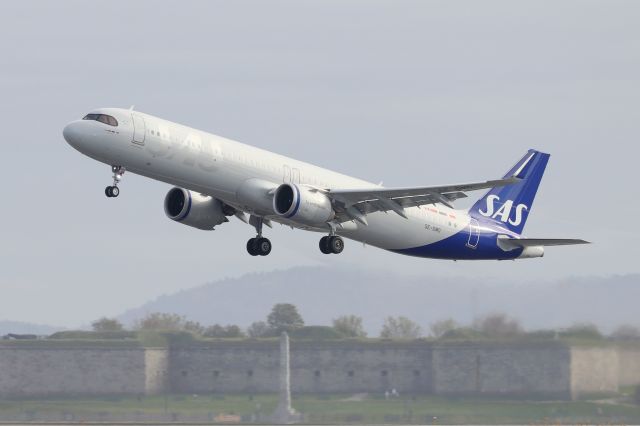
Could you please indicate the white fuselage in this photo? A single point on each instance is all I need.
(222, 168)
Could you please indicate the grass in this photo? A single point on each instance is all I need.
(423, 409)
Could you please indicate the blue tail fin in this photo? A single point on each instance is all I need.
(509, 206)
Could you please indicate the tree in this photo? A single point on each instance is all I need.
(284, 317)
(442, 327)
(626, 332)
(400, 328)
(107, 324)
(258, 329)
(582, 331)
(193, 326)
(228, 331)
(234, 331)
(161, 321)
(498, 325)
(350, 326)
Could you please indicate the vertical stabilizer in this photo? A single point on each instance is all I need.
(509, 206)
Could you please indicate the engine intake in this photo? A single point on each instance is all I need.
(302, 204)
(193, 209)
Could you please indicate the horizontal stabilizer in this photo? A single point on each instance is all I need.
(507, 243)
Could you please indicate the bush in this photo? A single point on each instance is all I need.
(94, 335)
(400, 328)
(463, 333)
(626, 333)
(541, 334)
(350, 326)
(582, 331)
(260, 329)
(498, 325)
(229, 331)
(316, 332)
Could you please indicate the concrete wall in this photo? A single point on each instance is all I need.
(629, 366)
(515, 369)
(156, 371)
(75, 371)
(593, 371)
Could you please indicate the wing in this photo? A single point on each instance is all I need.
(355, 204)
(529, 242)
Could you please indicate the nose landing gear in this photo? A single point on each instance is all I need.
(114, 191)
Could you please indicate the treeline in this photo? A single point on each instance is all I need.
(285, 317)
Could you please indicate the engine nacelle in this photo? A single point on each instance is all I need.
(193, 209)
(531, 252)
(303, 205)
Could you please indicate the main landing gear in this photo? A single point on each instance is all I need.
(114, 191)
(258, 246)
(331, 244)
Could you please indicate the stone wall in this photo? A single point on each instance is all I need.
(514, 369)
(356, 367)
(74, 371)
(227, 367)
(316, 367)
(545, 369)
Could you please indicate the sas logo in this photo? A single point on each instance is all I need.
(504, 212)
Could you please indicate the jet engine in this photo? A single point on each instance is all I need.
(302, 205)
(531, 252)
(196, 210)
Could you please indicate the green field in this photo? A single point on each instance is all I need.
(324, 409)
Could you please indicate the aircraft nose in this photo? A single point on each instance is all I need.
(71, 133)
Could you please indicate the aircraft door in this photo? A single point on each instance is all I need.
(295, 176)
(139, 129)
(287, 174)
(474, 234)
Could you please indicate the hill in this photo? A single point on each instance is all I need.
(322, 294)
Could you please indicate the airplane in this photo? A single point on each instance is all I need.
(216, 178)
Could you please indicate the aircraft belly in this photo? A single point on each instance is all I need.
(391, 231)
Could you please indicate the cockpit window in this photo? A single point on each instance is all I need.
(103, 118)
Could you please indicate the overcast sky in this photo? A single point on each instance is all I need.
(409, 93)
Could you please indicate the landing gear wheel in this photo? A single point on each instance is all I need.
(264, 246)
(336, 244)
(113, 190)
(259, 246)
(324, 245)
(252, 247)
